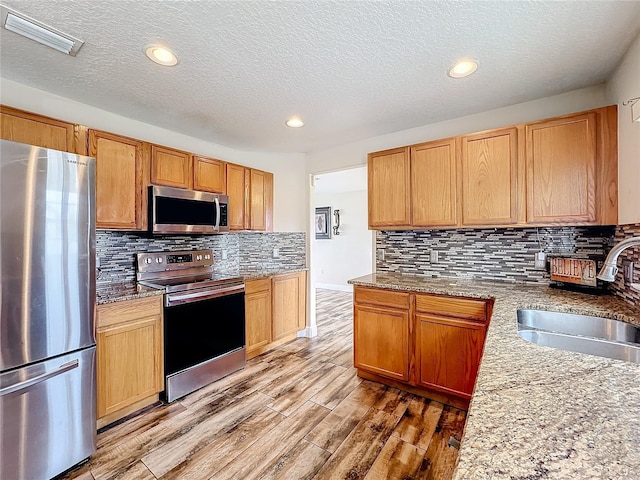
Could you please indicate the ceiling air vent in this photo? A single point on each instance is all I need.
(39, 32)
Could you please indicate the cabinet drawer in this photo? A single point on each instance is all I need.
(453, 307)
(258, 285)
(387, 298)
(125, 311)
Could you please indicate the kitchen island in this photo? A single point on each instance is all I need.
(539, 412)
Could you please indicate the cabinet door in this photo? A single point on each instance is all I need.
(561, 163)
(448, 353)
(120, 198)
(129, 353)
(258, 315)
(289, 303)
(433, 184)
(381, 341)
(489, 163)
(268, 201)
(209, 175)
(302, 307)
(170, 167)
(32, 129)
(257, 200)
(389, 188)
(237, 190)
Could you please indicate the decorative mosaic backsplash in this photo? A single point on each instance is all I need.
(246, 251)
(633, 254)
(489, 254)
(257, 249)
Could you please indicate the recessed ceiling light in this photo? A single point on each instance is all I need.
(463, 69)
(295, 122)
(161, 55)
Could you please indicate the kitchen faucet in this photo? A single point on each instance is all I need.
(609, 269)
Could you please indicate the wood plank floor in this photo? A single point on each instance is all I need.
(298, 412)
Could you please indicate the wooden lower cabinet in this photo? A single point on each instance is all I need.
(289, 303)
(428, 344)
(381, 341)
(129, 356)
(448, 353)
(275, 310)
(257, 315)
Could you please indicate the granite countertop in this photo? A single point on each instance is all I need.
(118, 292)
(121, 291)
(539, 412)
(257, 274)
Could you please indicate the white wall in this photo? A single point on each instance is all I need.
(355, 153)
(349, 254)
(290, 185)
(623, 85)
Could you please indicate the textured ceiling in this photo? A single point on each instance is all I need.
(351, 69)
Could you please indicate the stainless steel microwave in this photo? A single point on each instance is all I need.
(176, 210)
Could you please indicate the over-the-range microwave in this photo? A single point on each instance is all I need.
(176, 210)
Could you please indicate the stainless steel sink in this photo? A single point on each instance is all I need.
(603, 337)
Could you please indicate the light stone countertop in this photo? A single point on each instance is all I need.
(121, 291)
(539, 412)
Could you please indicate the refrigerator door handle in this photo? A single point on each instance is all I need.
(40, 378)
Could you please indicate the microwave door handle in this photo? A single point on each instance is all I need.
(217, 227)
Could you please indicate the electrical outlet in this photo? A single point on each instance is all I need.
(276, 253)
(627, 268)
(540, 261)
(433, 256)
(225, 254)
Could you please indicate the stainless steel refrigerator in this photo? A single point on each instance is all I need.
(47, 299)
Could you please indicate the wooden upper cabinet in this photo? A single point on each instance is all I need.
(120, 194)
(32, 129)
(561, 170)
(489, 164)
(433, 184)
(238, 191)
(389, 188)
(170, 167)
(209, 175)
(268, 201)
(261, 200)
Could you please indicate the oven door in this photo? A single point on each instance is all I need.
(204, 339)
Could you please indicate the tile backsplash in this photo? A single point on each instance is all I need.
(492, 254)
(246, 251)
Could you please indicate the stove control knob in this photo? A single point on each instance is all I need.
(147, 260)
(207, 257)
(198, 257)
(158, 259)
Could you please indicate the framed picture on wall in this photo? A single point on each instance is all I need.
(323, 222)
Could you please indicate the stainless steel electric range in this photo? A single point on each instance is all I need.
(204, 324)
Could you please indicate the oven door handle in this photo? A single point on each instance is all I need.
(172, 299)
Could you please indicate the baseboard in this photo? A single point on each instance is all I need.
(335, 286)
(308, 332)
